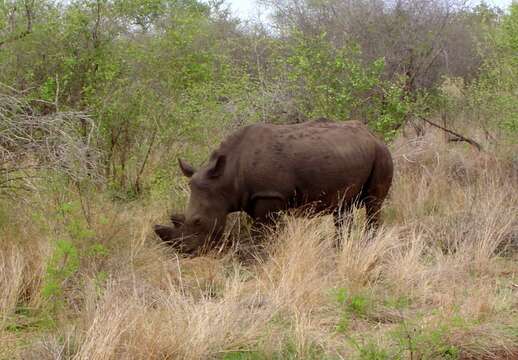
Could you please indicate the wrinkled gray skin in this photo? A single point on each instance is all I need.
(262, 169)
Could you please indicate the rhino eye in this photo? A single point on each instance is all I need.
(197, 222)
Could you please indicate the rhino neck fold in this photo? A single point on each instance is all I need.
(232, 199)
(234, 189)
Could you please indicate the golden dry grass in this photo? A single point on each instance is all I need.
(439, 280)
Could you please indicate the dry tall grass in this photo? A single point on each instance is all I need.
(439, 280)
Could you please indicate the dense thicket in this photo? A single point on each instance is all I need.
(156, 74)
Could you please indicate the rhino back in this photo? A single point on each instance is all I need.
(315, 160)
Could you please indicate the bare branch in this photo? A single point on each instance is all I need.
(29, 142)
(458, 137)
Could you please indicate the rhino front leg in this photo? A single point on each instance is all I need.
(265, 204)
(265, 213)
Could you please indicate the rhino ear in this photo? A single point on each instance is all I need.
(187, 169)
(178, 219)
(217, 166)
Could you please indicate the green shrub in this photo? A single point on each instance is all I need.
(335, 83)
(62, 264)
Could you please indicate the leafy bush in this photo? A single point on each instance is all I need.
(493, 97)
(335, 83)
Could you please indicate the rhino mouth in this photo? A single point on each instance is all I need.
(176, 238)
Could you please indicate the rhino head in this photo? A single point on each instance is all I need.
(205, 217)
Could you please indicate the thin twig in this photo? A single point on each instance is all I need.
(144, 162)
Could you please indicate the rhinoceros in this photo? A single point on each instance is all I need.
(262, 169)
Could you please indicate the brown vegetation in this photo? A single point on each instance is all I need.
(439, 280)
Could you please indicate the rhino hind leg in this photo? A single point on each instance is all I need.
(343, 223)
(372, 199)
(377, 188)
(373, 211)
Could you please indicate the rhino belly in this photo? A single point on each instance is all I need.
(326, 184)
